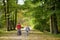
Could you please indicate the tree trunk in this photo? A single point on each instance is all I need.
(15, 16)
(8, 27)
(4, 4)
(55, 24)
(54, 27)
(51, 24)
(15, 19)
(6, 11)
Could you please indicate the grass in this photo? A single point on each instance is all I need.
(54, 35)
(3, 32)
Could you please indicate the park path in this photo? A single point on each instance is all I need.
(34, 35)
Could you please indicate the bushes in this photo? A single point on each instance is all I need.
(39, 26)
(0, 25)
(42, 27)
(2, 20)
(47, 28)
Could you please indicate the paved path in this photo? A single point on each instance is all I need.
(32, 36)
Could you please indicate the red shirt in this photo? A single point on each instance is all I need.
(18, 26)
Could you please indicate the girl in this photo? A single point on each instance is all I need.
(27, 29)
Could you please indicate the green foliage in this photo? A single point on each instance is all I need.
(38, 10)
(2, 20)
(11, 6)
(35, 1)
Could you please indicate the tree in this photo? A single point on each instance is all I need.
(54, 26)
(9, 9)
(39, 13)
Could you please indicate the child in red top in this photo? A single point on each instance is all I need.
(18, 26)
(18, 29)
